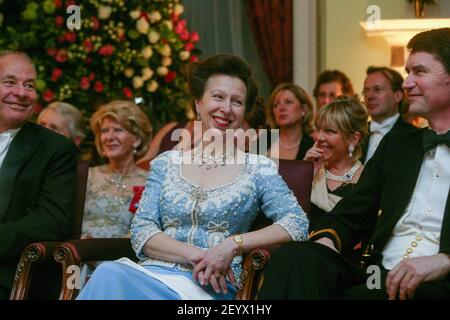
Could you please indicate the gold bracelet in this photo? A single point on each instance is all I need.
(239, 243)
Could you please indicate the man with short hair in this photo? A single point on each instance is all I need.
(399, 209)
(63, 118)
(383, 96)
(37, 170)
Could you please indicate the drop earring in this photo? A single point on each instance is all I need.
(351, 148)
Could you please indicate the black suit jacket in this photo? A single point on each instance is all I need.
(400, 124)
(37, 183)
(371, 210)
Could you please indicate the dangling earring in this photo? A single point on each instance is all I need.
(351, 148)
(198, 117)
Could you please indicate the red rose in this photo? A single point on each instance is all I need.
(91, 76)
(58, 3)
(189, 46)
(70, 37)
(51, 51)
(61, 56)
(193, 59)
(98, 86)
(134, 204)
(195, 37)
(88, 46)
(170, 76)
(180, 26)
(184, 35)
(48, 95)
(174, 17)
(127, 92)
(106, 50)
(70, 3)
(59, 21)
(95, 23)
(38, 108)
(84, 83)
(56, 74)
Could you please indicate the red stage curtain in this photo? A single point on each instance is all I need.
(271, 24)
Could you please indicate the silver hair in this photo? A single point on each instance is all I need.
(72, 115)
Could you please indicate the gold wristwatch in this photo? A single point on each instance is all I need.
(239, 242)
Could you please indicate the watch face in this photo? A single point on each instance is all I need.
(238, 238)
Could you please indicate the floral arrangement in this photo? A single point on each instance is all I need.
(124, 49)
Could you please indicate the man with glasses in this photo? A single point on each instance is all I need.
(383, 95)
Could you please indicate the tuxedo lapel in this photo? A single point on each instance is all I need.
(405, 170)
(20, 150)
(445, 230)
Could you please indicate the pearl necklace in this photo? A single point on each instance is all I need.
(346, 177)
(210, 161)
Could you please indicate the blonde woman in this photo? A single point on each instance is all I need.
(290, 110)
(341, 126)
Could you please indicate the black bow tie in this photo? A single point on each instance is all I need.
(431, 139)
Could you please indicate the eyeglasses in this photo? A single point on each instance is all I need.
(376, 90)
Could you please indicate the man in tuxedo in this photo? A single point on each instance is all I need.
(383, 96)
(400, 208)
(37, 170)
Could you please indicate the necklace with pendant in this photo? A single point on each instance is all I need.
(346, 177)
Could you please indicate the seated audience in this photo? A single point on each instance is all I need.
(192, 224)
(63, 118)
(401, 204)
(383, 96)
(37, 171)
(331, 84)
(341, 126)
(290, 110)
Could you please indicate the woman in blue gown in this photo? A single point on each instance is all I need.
(194, 217)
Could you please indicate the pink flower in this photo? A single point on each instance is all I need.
(98, 86)
(106, 50)
(84, 83)
(59, 21)
(61, 56)
(70, 37)
(127, 92)
(170, 76)
(48, 95)
(189, 46)
(195, 37)
(56, 74)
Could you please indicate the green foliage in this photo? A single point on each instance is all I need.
(124, 49)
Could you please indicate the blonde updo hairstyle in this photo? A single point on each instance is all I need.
(130, 117)
(348, 116)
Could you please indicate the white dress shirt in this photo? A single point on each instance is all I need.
(418, 231)
(6, 138)
(377, 132)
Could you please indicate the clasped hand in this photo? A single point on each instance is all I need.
(214, 266)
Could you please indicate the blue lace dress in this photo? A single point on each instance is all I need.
(201, 217)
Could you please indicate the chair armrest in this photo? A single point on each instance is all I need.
(75, 252)
(33, 255)
(254, 265)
